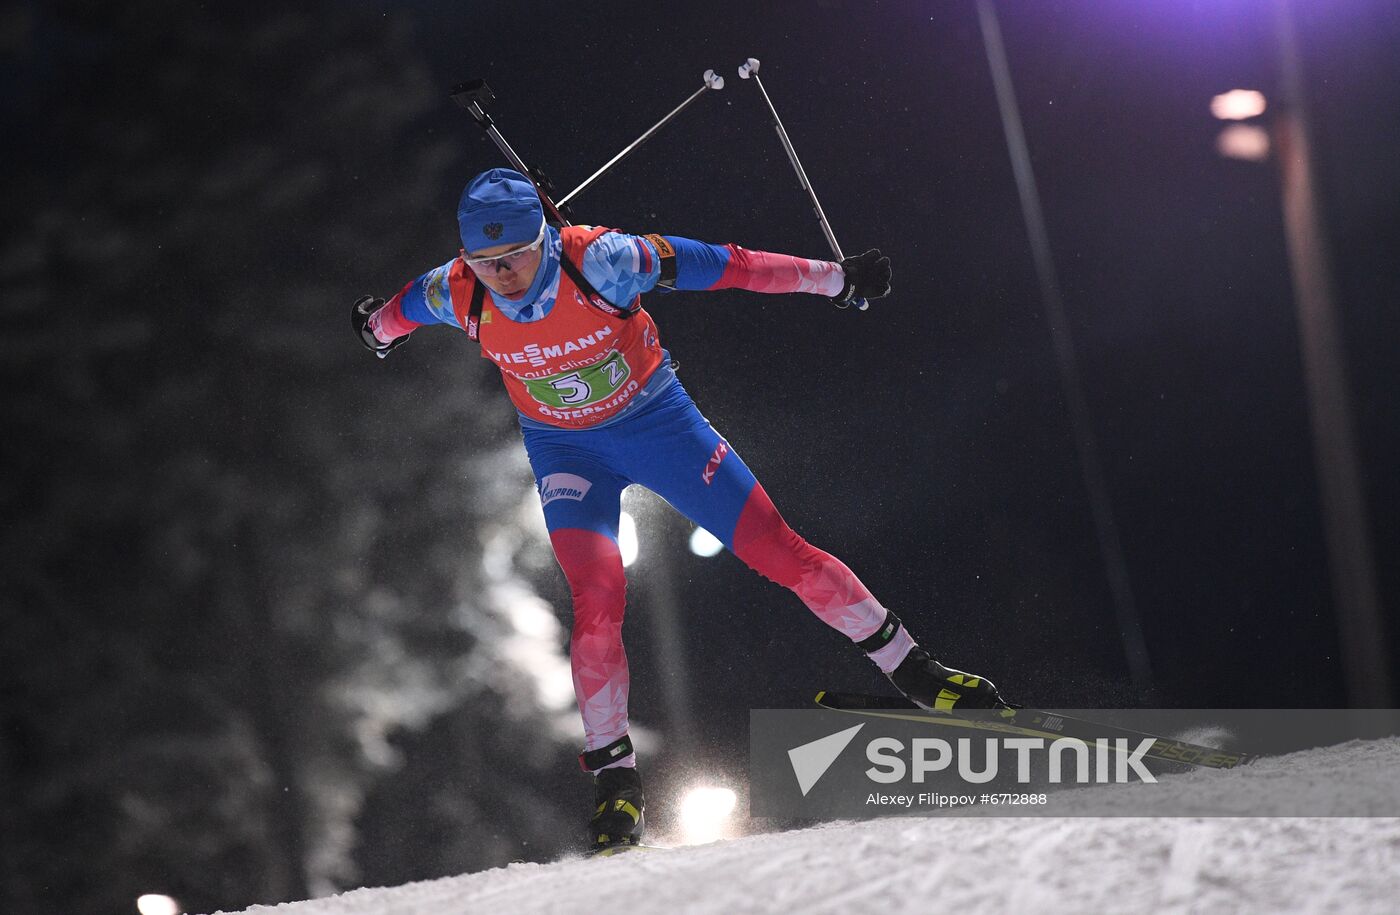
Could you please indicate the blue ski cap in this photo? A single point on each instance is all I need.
(499, 207)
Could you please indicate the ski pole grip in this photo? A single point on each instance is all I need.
(473, 90)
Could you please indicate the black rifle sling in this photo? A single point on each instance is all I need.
(474, 310)
(594, 297)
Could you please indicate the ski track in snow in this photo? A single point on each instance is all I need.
(989, 864)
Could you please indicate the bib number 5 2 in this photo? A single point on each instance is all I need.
(583, 387)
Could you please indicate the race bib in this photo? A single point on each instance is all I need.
(581, 387)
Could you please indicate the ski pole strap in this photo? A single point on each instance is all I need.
(594, 297)
(473, 327)
(593, 760)
(668, 259)
(881, 636)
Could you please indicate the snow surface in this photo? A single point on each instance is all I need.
(977, 864)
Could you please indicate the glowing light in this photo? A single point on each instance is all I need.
(703, 543)
(705, 814)
(627, 539)
(1238, 104)
(156, 904)
(1249, 142)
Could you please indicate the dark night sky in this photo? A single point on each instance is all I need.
(198, 196)
(926, 442)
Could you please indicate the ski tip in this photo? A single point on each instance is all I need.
(820, 694)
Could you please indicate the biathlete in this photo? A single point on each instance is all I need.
(559, 312)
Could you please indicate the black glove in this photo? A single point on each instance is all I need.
(867, 277)
(360, 313)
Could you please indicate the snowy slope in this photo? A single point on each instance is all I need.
(988, 864)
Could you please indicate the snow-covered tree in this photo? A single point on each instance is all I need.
(241, 555)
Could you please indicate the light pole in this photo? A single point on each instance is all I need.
(1085, 442)
(664, 617)
(1346, 525)
(1360, 622)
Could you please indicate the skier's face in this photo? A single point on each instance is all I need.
(511, 276)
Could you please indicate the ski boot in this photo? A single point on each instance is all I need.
(618, 799)
(930, 685)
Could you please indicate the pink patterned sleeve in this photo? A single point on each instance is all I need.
(390, 322)
(764, 271)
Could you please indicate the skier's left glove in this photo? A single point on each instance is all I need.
(867, 277)
(361, 312)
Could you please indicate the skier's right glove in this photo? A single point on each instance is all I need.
(867, 277)
(361, 312)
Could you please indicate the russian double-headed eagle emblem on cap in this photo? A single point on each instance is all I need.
(493, 230)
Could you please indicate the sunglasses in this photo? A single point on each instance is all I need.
(507, 260)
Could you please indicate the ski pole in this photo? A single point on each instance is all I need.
(712, 81)
(749, 69)
(474, 95)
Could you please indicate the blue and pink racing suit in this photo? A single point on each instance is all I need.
(658, 439)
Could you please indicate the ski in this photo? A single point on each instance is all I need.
(1030, 722)
(609, 851)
